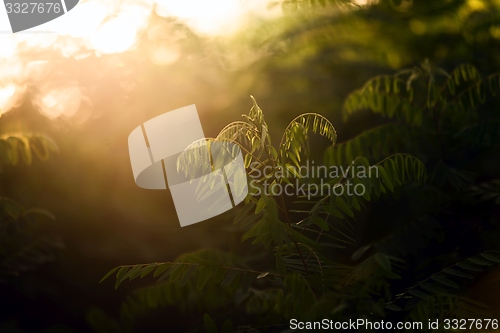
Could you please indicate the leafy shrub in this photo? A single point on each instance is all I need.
(25, 241)
(407, 249)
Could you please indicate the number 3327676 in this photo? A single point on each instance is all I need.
(33, 7)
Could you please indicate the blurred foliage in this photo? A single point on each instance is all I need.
(27, 237)
(23, 242)
(413, 269)
(337, 63)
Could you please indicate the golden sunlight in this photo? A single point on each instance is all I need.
(107, 27)
(113, 27)
(7, 97)
(114, 36)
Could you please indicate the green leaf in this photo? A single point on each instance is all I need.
(280, 265)
(229, 278)
(390, 167)
(246, 281)
(469, 267)
(176, 272)
(432, 287)
(479, 262)
(210, 326)
(261, 204)
(330, 209)
(321, 223)
(418, 293)
(219, 274)
(360, 252)
(250, 219)
(343, 206)
(187, 274)
(25, 150)
(383, 261)
(119, 276)
(12, 208)
(204, 275)
(447, 282)
(490, 257)
(227, 327)
(108, 274)
(355, 203)
(393, 307)
(133, 273)
(457, 272)
(147, 270)
(244, 211)
(160, 269)
(248, 160)
(385, 178)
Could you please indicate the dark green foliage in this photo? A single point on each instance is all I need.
(25, 241)
(385, 276)
(15, 147)
(411, 268)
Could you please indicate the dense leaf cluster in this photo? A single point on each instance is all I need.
(411, 268)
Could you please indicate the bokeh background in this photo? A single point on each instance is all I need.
(88, 79)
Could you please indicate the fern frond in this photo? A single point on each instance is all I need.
(488, 191)
(375, 180)
(14, 147)
(445, 306)
(446, 282)
(407, 240)
(267, 228)
(295, 138)
(25, 241)
(288, 302)
(481, 134)
(463, 93)
(387, 95)
(463, 74)
(370, 274)
(205, 264)
(256, 117)
(375, 143)
(240, 131)
(184, 297)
